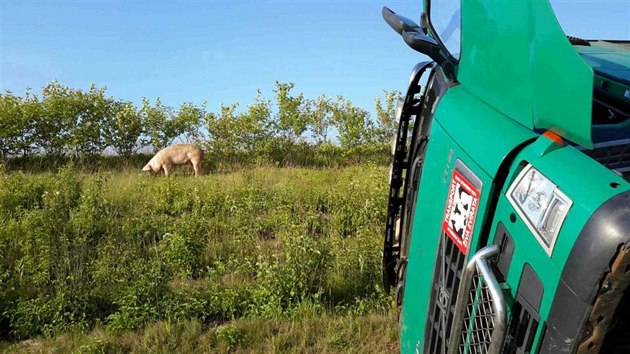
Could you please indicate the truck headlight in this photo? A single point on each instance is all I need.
(540, 204)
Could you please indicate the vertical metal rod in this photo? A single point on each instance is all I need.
(478, 263)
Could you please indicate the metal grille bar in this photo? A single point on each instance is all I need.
(449, 266)
(480, 320)
(613, 154)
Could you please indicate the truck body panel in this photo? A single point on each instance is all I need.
(512, 231)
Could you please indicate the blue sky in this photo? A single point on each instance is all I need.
(216, 51)
(220, 51)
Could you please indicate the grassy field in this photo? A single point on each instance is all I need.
(258, 260)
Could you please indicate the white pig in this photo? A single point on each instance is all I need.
(178, 154)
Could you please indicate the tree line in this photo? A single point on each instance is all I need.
(63, 121)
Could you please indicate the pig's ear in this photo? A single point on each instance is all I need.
(146, 168)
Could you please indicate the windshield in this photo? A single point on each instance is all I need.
(447, 21)
(590, 19)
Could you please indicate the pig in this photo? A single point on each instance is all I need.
(178, 154)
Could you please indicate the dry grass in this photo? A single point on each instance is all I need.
(372, 333)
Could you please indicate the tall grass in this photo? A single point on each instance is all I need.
(229, 257)
(374, 333)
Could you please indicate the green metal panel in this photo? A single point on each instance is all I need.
(485, 134)
(453, 137)
(582, 179)
(562, 83)
(526, 251)
(484, 151)
(516, 58)
(562, 165)
(517, 73)
(607, 58)
(442, 153)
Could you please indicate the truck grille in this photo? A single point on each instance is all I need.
(448, 271)
(614, 155)
(479, 319)
(480, 315)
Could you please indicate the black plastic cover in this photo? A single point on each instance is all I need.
(525, 313)
(596, 246)
(397, 22)
(503, 240)
(589, 261)
(530, 288)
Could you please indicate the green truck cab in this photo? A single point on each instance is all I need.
(508, 225)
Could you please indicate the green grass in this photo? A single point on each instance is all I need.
(257, 260)
(375, 333)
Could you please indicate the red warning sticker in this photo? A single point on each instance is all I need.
(460, 212)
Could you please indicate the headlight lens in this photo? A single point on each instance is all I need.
(541, 204)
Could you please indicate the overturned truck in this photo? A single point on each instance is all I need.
(508, 225)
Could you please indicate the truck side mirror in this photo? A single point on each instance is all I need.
(398, 23)
(424, 44)
(420, 42)
(414, 36)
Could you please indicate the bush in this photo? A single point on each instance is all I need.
(77, 125)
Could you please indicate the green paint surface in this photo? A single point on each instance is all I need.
(454, 137)
(516, 58)
(452, 115)
(608, 59)
(517, 74)
(589, 191)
